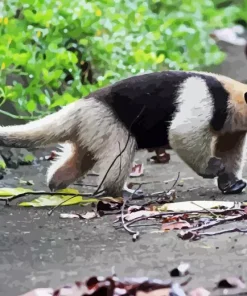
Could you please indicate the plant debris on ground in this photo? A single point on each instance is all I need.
(114, 286)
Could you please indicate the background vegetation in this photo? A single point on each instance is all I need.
(64, 49)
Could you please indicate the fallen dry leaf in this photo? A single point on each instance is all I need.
(108, 206)
(139, 214)
(69, 216)
(112, 199)
(198, 205)
(181, 270)
(231, 282)
(135, 208)
(113, 286)
(137, 170)
(199, 292)
(87, 216)
(158, 292)
(40, 292)
(182, 224)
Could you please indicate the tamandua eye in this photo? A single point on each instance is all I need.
(245, 97)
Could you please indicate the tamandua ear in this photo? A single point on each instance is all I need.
(245, 97)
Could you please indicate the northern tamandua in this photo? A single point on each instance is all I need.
(202, 116)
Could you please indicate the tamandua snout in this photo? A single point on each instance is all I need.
(201, 116)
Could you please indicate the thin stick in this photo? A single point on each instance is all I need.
(120, 164)
(204, 209)
(135, 234)
(53, 209)
(217, 222)
(223, 231)
(175, 182)
(127, 142)
(165, 214)
(161, 193)
(86, 185)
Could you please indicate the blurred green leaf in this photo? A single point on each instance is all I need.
(50, 43)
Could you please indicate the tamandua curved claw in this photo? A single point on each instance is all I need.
(235, 188)
(229, 184)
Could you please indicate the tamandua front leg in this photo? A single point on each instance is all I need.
(190, 136)
(230, 147)
(196, 149)
(189, 132)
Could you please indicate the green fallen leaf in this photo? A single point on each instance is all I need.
(54, 200)
(2, 163)
(29, 158)
(10, 192)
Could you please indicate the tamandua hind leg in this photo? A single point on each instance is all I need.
(230, 148)
(119, 171)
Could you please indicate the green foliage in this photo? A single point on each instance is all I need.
(65, 49)
(243, 11)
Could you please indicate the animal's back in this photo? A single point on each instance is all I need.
(157, 92)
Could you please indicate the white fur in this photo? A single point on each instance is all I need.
(65, 153)
(48, 130)
(189, 133)
(101, 133)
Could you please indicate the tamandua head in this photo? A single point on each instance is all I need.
(237, 103)
(65, 169)
(61, 177)
(238, 110)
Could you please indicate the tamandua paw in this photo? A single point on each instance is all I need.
(229, 184)
(235, 188)
(215, 168)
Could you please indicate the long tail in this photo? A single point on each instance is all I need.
(51, 129)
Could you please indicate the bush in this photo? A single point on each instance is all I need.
(65, 49)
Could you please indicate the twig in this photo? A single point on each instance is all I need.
(223, 231)
(120, 164)
(135, 234)
(138, 225)
(204, 209)
(86, 185)
(217, 222)
(174, 182)
(165, 214)
(9, 199)
(53, 209)
(159, 194)
(127, 142)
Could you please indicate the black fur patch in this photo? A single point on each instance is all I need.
(245, 97)
(220, 101)
(157, 92)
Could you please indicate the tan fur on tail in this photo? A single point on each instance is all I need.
(90, 134)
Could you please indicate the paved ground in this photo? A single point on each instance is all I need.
(37, 250)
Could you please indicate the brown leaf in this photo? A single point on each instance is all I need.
(108, 206)
(158, 292)
(181, 270)
(40, 292)
(112, 199)
(231, 282)
(199, 292)
(182, 224)
(138, 214)
(88, 215)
